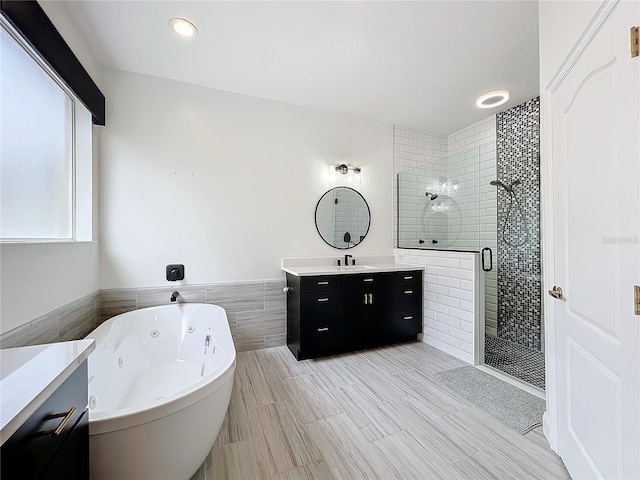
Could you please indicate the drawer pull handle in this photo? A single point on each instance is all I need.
(408, 292)
(323, 299)
(323, 283)
(323, 329)
(409, 317)
(409, 277)
(368, 279)
(57, 431)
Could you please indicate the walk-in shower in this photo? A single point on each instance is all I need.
(486, 200)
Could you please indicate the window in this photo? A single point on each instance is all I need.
(45, 150)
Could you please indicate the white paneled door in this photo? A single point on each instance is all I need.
(596, 166)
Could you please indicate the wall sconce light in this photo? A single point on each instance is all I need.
(344, 169)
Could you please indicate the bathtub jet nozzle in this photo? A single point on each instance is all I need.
(174, 296)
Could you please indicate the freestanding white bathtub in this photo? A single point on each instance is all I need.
(160, 383)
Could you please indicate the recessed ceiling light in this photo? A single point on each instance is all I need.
(183, 27)
(492, 99)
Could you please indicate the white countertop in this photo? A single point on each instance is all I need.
(328, 266)
(29, 375)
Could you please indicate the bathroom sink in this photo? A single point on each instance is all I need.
(356, 267)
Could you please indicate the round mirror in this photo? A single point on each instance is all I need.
(342, 217)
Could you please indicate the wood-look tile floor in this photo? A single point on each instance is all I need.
(374, 414)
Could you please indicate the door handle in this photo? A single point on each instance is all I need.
(371, 299)
(323, 299)
(366, 301)
(556, 292)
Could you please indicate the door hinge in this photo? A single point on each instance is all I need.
(636, 299)
(635, 48)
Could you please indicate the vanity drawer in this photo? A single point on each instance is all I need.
(405, 323)
(321, 337)
(323, 283)
(406, 278)
(320, 306)
(405, 297)
(364, 280)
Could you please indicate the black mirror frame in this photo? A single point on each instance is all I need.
(316, 217)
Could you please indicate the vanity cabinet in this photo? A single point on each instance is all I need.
(53, 443)
(337, 313)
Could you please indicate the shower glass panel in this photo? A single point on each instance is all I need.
(439, 204)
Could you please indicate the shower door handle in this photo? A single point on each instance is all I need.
(484, 268)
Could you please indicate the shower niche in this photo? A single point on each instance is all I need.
(486, 200)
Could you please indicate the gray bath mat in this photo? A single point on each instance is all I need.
(514, 407)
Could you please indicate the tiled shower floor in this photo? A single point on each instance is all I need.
(515, 360)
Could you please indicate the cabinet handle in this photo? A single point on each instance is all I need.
(368, 279)
(371, 299)
(323, 283)
(408, 318)
(365, 299)
(57, 431)
(408, 292)
(409, 277)
(323, 329)
(323, 299)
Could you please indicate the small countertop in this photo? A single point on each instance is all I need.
(328, 266)
(29, 375)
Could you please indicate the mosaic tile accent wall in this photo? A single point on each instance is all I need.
(519, 271)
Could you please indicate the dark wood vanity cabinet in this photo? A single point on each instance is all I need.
(53, 443)
(337, 313)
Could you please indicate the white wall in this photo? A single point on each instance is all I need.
(39, 278)
(225, 183)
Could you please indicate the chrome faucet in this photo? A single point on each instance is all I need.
(174, 296)
(346, 259)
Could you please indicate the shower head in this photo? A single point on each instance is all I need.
(432, 195)
(498, 183)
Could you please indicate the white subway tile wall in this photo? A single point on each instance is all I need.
(482, 135)
(450, 306)
(413, 148)
(469, 156)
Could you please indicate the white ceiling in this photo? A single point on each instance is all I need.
(418, 64)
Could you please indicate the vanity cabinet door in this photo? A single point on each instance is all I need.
(366, 299)
(30, 451)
